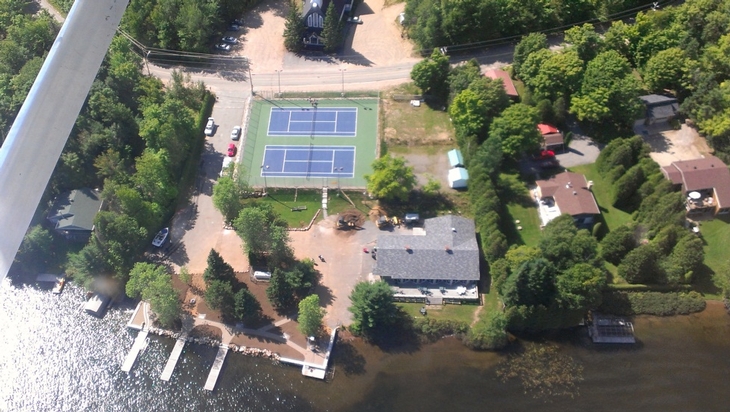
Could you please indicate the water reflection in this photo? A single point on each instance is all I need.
(53, 357)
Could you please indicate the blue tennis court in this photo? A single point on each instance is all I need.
(313, 121)
(309, 161)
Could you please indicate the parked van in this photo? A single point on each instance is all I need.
(258, 275)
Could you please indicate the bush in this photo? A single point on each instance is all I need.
(625, 188)
(617, 244)
(624, 303)
(639, 266)
(488, 334)
(433, 329)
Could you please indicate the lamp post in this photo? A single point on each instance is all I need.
(250, 80)
(339, 170)
(343, 81)
(278, 76)
(263, 172)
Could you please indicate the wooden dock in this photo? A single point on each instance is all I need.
(140, 342)
(174, 357)
(216, 369)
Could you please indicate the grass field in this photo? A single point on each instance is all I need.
(257, 138)
(463, 313)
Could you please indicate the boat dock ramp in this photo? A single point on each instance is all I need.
(174, 357)
(140, 342)
(220, 357)
(311, 369)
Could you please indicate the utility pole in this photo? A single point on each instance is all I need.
(263, 172)
(343, 81)
(250, 80)
(278, 75)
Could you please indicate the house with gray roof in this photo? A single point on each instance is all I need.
(73, 213)
(659, 109)
(440, 259)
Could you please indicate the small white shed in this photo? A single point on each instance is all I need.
(458, 178)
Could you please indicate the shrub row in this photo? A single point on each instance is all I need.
(433, 329)
(626, 303)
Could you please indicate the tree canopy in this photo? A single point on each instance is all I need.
(516, 129)
(310, 316)
(391, 179)
(373, 308)
(152, 283)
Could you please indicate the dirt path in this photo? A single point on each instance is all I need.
(475, 315)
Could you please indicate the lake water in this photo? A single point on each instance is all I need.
(53, 357)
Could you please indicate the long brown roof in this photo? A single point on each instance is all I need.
(509, 86)
(701, 174)
(570, 192)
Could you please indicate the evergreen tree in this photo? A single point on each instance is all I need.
(294, 30)
(332, 30)
(217, 268)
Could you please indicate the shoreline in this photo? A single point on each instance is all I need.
(245, 350)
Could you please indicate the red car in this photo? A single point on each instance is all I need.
(544, 155)
(231, 150)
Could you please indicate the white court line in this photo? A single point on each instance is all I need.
(288, 125)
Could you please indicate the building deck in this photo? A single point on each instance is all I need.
(137, 320)
(216, 369)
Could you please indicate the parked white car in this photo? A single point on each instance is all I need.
(210, 127)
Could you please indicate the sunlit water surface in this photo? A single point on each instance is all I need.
(54, 357)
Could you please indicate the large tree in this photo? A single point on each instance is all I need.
(310, 316)
(264, 233)
(516, 128)
(391, 179)
(431, 75)
(527, 45)
(373, 308)
(227, 198)
(217, 269)
(294, 30)
(245, 304)
(332, 29)
(609, 92)
(35, 252)
(551, 75)
(219, 296)
(152, 283)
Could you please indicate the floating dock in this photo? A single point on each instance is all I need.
(174, 357)
(217, 366)
(609, 329)
(140, 342)
(313, 370)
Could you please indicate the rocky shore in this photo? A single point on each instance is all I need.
(261, 353)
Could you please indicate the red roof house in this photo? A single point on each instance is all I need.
(509, 86)
(552, 137)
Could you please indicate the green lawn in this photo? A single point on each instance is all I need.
(283, 201)
(462, 313)
(529, 221)
(612, 217)
(338, 203)
(716, 235)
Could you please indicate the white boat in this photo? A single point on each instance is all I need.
(161, 237)
(59, 286)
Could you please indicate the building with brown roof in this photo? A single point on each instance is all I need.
(569, 193)
(509, 85)
(552, 138)
(705, 182)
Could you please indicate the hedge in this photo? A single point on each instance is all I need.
(624, 303)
